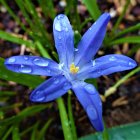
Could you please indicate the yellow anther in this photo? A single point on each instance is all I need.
(73, 69)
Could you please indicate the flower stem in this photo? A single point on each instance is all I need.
(73, 128)
(64, 119)
(105, 133)
(112, 89)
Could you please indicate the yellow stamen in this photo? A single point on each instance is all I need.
(73, 69)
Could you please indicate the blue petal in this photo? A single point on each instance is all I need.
(64, 39)
(32, 65)
(50, 89)
(92, 40)
(90, 100)
(106, 65)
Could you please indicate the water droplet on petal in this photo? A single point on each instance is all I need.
(11, 60)
(90, 89)
(40, 62)
(112, 58)
(61, 65)
(99, 71)
(49, 71)
(60, 16)
(93, 63)
(59, 37)
(38, 96)
(76, 50)
(95, 23)
(90, 28)
(58, 27)
(26, 57)
(66, 29)
(131, 64)
(25, 69)
(66, 86)
(91, 112)
(56, 81)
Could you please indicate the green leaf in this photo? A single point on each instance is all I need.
(42, 50)
(128, 30)
(15, 133)
(124, 132)
(34, 135)
(3, 130)
(92, 81)
(44, 129)
(105, 133)
(92, 8)
(77, 38)
(85, 22)
(28, 13)
(133, 50)
(71, 10)
(7, 133)
(47, 8)
(7, 93)
(9, 107)
(27, 130)
(30, 111)
(121, 16)
(130, 39)
(15, 39)
(24, 79)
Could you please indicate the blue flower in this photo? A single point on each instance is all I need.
(76, 65)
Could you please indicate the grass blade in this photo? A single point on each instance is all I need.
(47, 8)
(128, 30)
(92, 8)
(36, 20)
(7, 93)
(36, 35)
(44, 129)
(15, 39)
(42, 50)
(34, 135)
(121, 16)
(7, 133)
(112, 89)
(133, 50)
(130, 39)
(30, 111)
(15, 133)
(71, 9)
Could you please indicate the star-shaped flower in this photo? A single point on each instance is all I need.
(76, 65)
